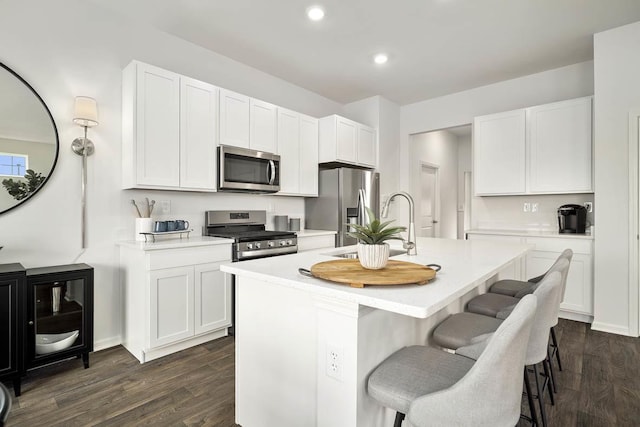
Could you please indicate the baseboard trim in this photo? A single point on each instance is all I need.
(578, 317)
(107, 343)
(610, 328)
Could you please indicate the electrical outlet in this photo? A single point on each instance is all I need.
(526, 207)
(589, 206)
(534, 207)
(334, 362)
(165, 207)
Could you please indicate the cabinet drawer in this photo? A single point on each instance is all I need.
(188, 256)
(578, 246)
(316, 242)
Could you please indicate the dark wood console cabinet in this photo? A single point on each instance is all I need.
(46, 315)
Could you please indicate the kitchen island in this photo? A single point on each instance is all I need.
(305, 347)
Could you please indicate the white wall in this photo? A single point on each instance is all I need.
(72, 47)
(439, 148)
(617, 67)
(464, 165)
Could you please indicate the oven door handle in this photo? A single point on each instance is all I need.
(271, 172)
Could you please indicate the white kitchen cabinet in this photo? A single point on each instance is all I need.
(234, 119)
(298, 150)
(169, 130)
(499, 153)
(546, 149)
(309, 240)
(174, 298)
(263, 122)
(347, 141)
(560, 149)
(577, 303)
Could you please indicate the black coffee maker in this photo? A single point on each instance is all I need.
(572, 219)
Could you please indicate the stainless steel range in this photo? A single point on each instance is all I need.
(247, 229)
(251, 240)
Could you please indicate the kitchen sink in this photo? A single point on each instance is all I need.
(354, 255)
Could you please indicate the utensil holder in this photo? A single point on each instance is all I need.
(280, 222)
(294, 224)
(143, 225)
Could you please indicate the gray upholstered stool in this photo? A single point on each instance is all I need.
(455, 330)
(5, 404)
(434, 387)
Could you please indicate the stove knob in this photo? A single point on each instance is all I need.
(289, 242)
(258, 245)
(282, 243)
(249, 245)
(272, 244)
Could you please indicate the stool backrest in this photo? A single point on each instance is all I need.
(5, 404)
(490, 393)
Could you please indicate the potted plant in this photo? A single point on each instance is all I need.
(373, 252)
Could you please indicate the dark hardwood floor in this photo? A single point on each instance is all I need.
(599, 386)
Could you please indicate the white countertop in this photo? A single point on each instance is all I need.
(465, 265)
(531, 233)
(175, 242)
(311, 233)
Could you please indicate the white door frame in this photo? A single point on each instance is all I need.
(436, 168)
(634, 223)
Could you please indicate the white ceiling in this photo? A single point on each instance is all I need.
(436, 47)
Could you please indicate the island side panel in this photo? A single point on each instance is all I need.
(275, 355)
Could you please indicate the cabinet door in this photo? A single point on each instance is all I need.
(212, 298)
(263, 119)
(289, 151)
(499, 153)
(157, 127)
(171, 305)
(308, 146)
(8, 327)
(560, 147)
(198, 130)
(234, 119)
(346, 140)
(578, 294)
(367, 151)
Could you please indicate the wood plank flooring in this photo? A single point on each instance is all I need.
(599, 386)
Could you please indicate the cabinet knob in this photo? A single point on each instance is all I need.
(30, 322)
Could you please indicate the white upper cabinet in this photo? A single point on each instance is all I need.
(169, 130)
(234, 119)
(346, 141)
(499, 153)
(298, 150)
(263, 118)
(545, 149)
(560, 147)
(198, 126)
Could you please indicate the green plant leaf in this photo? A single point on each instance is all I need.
(374, 232)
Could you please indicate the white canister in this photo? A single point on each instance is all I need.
(143, 225)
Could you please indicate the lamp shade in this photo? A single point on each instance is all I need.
(85, 111)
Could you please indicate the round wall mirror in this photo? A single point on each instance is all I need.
(28, 141)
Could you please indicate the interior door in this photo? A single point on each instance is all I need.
(427, 219)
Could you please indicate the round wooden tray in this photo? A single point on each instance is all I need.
(350, 272)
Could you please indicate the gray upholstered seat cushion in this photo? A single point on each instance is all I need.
(412, 372)
(511, 287)
(461, 329)
(490, 304)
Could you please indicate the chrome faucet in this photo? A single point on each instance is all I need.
(410, 243)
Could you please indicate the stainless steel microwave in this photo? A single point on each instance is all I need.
(241, 169)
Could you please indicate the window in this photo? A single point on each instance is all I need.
(14, 165)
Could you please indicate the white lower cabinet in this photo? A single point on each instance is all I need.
(174, 298)
(577, 303)
(316, 241)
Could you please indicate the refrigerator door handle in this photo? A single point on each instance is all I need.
(361, 206)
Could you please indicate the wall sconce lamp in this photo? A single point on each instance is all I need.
(85, 115)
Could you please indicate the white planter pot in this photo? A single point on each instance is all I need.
(373, 257)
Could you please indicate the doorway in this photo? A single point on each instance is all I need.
(428, 208)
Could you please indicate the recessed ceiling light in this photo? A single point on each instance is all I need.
(315, 13)
(380, 58)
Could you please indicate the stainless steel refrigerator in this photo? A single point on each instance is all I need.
(343, 194)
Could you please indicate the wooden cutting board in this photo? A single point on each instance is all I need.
(350, 272)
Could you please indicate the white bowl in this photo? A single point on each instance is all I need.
(49, 343)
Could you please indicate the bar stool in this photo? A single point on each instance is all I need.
(468, 328)
(5, 404)
(434, 387)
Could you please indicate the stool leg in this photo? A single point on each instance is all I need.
(399, 419)
(554, 342)
(532, 406)
(547, 381)
(540, 396)
(553, 377)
